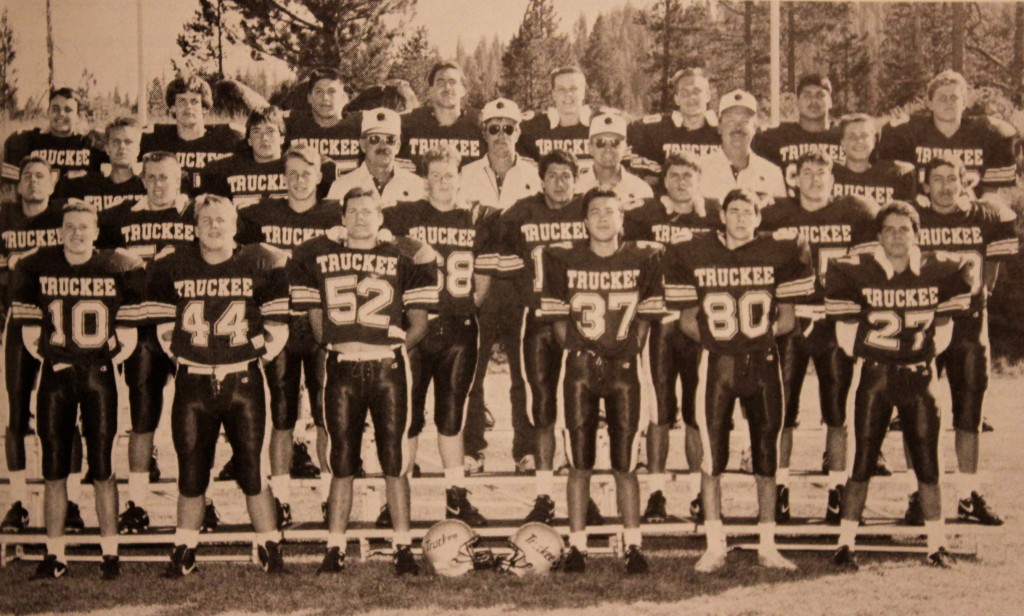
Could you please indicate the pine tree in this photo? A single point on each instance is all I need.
(415, 58)
(535, 50)
(8, 89)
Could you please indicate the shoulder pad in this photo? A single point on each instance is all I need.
(165, 252)
(784, 234)
(899, 120)
(848, 259)
(651, 245)
(903, 166)
(426, 254)
(653, 118)
(997, 206)
(128, 259)
(1001, 127)
(529, 115)
(272, 256)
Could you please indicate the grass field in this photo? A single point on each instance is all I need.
(989, 584)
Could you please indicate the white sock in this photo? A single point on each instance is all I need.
(263, 538)
(545, 482)
(55, 546)
(578, 540)
(19, 486)
(657, 481)
(186, 537)
(782, 477)
(766, 530)
(967, 483)
(455, 475)
(281, 485)
(632, 536)
(337, 540)
(694, 482)
(715, 534)
(109, 545)
(837, 478)
(936, 531)
(401, 538)
(74, 486)
(848, 532)
(138, 488)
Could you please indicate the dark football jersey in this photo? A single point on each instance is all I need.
(364, 294)
(459, 236)
(524, 230)
(652, 222)
(98, 189)
(845, 225)
(219, 141)
(896, 312)
(78, 306)
(21, 234)
(737, 291)
(542, 133)
(422, 133)
(217, 310)
(884, 181)
(338, 143)
(787, 142)
(656, 136)
(73, 153)
(243, 180)
(145, 232)
(273, 222)
(603, 297)
(976, 235)
(984, 144)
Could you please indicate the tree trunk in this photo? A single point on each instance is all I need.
(666, 64)
(748, 44)
(220, 39)
(959, 18)
(1018, 53)
(791, 46)
(49, 42)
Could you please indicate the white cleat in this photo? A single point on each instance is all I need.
(770, 557)
(711, 561)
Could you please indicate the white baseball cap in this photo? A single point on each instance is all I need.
(737, 98)
(501, 108)
(608, 123)
(381, 120)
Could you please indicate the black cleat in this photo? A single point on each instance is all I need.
(284, 513)
(154, 468)
(405, 562)
(844, 558)
(914, 515)
(333, 562)
(655, 511)
(133, 521)
(228, 472)
(697, 509)
(50, 568)
(782, 514)
(16, 519)
(73, 522)
(594, 517)
(575, 561)
(941, 559)
(271, 558)
(110, 568)
(882, 468)
(835, 505)
(211, 519)
(543, 510)
(183, 562)
(976, 508)
(635, 561)
(302, 463)
(383, 518)
(459, 507)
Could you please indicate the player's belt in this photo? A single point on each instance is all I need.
(365, 352)
(218, 371)
(916, 366)
(814, 312)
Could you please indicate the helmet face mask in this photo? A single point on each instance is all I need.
(449, 548)
(536, 550)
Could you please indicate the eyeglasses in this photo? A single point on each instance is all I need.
(494, 129)
(377, 139)
(602, 143)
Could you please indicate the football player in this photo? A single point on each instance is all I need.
(983, 144)
(443, 120)
(61, 144)
(786, 143)
(221, 312)
(601, 295)
(983, 235)
(893, 307)
(446, 356)
(676, 217)
(117, 180)
(323, 127)
(194, 142)
(381, 131)
(77, 307)
(831, 228)
(690, 128)
(566, 125)
(367, 303)
(258, 172)
(881, 180)
(735, 164)
(607, 146)
(735, 290)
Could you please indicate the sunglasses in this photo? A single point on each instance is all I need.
(601, 142)
(377, 139)
(494, 129)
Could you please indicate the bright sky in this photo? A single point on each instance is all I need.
(100, 35)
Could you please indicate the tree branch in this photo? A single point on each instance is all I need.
(986, 55)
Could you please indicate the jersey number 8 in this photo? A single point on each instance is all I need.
(728, 317)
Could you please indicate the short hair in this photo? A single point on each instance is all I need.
(185, 85)
(566, 70)
(304, 152)
(680, 159)
(121, 122)
(558, 157)
(691, 71)
(856, 118)
(947, 77)
(207, 200)
(321, 73)
(158, 157)
(79, 205)
(442, 66)
(270, 114)
(441, 154)
(897, 208)
(358, 193)
(743, 194)
(33, 159)
(944, 161)
(814, 79)
(67, 93)
(813, 157)
(598, 193)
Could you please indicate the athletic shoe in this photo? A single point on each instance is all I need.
(527, 465)
(473, 464)
(772, 558)
(183, 562)
(543, 510)
(655, 511)
(16, 519)
(459, 507)
(941, 559)
(975, 507)
(333, 562)
(228, 472)
(383, 518)
(594, 517)
(635, 561)
(711, 561)
(302, 463)
(73, 522)
(49, 568)
(914, 515)
(844, 558)
(110, 568)
(154, 468)
(133, 521)
(986, 425)
(835, 505)
(405, 562)
(211, 519)
(271, 559)
(284, 513)
(575, 561)
(697, 509)
(782, 514)
(881, 468)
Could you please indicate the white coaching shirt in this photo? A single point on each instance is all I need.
(403, 186)
(480, 185)
(761, 175)
(631, 190)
